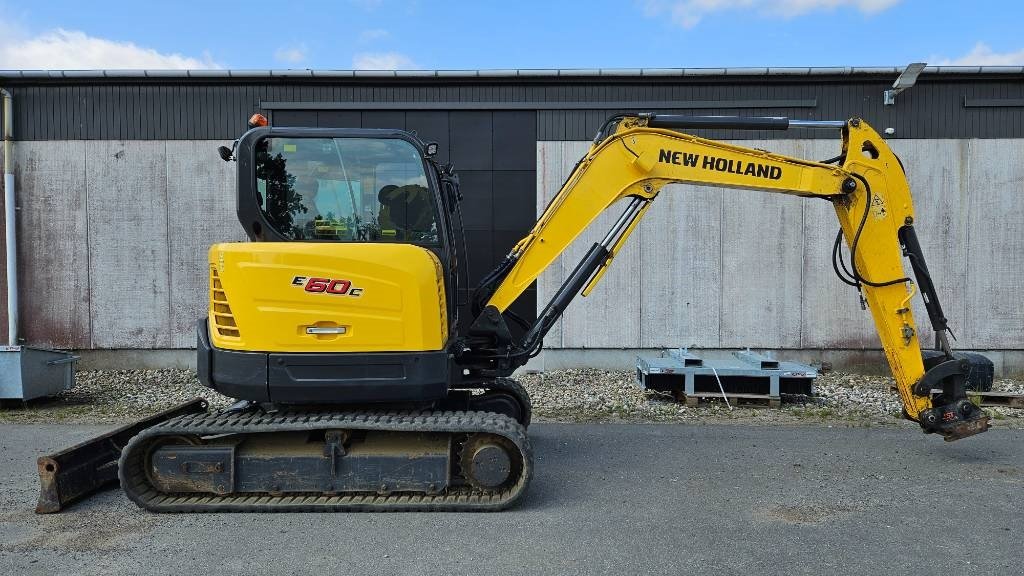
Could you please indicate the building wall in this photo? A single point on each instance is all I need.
(121, 192)
(712, 268)
(114, 237)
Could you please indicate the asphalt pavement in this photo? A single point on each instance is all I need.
(606, 499)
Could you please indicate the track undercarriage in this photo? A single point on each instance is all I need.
(306, 461)
(469, 452)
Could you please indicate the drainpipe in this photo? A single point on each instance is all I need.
(9, 223)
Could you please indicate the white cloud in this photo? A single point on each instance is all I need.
(790, 8)
(982, 55)
(291, 54)
(688, 13)
(74, 50)
(382, 61)
(374, 34)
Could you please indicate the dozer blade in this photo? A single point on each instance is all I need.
(85, 468)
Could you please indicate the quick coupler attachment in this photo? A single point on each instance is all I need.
(953, 415)
(956, 420)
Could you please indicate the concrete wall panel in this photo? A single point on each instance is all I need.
(126, 183)
(762, 250)
(831, 316)
(941, 187)
(52, 243)
(201, 211)
(116, 233)
(831, 312)
(681, 278)
(995, 256)
(608, 317)
(555, 161)
(726, 268)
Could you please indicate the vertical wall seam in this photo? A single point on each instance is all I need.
(167, 244)
(721, 265)
(803, 268)
(3, 238)
(562, 175)
(568, 151)
(88, 248)
(968, 324)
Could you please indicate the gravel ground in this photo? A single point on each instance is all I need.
(558, 396)
(853, 399)
(108, 396)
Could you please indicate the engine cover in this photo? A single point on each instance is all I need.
(326, 297)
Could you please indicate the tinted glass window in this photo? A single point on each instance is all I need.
(345, 190)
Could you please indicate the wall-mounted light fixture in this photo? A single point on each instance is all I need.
(906, 79)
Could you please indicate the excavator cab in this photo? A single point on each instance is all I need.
(345, 292)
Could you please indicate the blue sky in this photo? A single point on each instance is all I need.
(390, 34)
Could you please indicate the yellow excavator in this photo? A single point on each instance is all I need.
(356, 389)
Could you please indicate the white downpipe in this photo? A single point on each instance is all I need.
(9, 223)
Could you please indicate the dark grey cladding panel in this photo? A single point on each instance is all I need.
(567, 108)
(480, 250)
(303, 118)
(333, 118)
(514, 204)
(384, 119)
(515, 140)
(431, 126)
(471, 144)
(477, 202)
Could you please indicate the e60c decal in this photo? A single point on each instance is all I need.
(327, 286)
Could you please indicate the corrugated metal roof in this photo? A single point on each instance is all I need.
(517, 73)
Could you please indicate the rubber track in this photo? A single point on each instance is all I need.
(512, 387)
(456, 499)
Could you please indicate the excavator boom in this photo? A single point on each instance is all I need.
(634, 156)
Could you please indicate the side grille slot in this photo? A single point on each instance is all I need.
(220, 310)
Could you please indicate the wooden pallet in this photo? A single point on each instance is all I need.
(746, 400)
(1001, 399)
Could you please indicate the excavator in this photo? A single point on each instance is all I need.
(335, 326)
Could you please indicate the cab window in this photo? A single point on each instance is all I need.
(345, 190)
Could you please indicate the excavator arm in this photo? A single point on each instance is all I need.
(633, 157)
